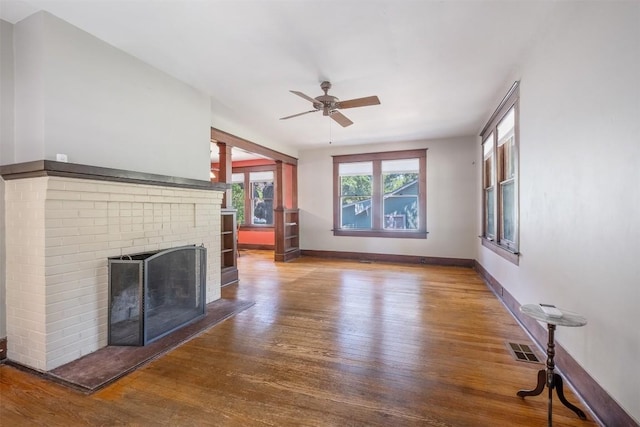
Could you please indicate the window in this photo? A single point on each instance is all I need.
(252, 195)
(261, 197)
(500, 178)
(237, 195)
(380, 194)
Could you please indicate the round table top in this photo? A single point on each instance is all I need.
(568, 318)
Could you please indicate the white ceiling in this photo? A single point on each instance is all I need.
(438, 67)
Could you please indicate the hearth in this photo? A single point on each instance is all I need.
(152, 294)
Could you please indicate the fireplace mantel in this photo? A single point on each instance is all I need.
(73, 170)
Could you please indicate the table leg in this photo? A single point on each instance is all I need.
(542, 380)
(557, 380)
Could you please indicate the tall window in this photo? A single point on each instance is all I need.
(261, 197)
(500, 177)
(252, 195)
(237, 195)
(380, 194)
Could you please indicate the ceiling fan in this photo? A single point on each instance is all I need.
(329, 105)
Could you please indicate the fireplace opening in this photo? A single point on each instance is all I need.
(152, 294)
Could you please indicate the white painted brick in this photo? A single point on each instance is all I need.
(95, 196)
(62, 195)
(93, 213)
(78, 240)
(95, 246)
(62, 250)
(121, 197)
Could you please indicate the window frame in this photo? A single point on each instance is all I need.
(493, 177)
(377, 226)
(248, 197)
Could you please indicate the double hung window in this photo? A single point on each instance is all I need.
(500, 178)
(380, 194)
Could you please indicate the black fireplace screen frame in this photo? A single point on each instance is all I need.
(152, 294)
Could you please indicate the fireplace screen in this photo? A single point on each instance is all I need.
(154, 293)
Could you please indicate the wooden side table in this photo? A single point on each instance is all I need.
(547, 376)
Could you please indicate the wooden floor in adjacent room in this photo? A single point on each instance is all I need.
(328, 343)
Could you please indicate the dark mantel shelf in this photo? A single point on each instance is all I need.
(52, 168)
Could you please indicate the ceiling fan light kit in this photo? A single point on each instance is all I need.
(329, 105)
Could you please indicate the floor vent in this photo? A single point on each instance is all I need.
(523, 352)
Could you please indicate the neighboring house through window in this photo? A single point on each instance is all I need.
(500, 178)
(380, 194)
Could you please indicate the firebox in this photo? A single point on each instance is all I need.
(152, 294)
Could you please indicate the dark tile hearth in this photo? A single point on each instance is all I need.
(98, 369)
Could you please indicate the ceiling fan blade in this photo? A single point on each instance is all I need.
(340, 118)
(359, 102)
(299, 114)
(307, 97)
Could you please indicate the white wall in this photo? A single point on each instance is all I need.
(579, 188)
(3, 257)
(79, 96)
(6, 144)
(450, 201)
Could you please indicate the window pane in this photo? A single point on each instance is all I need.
(355, 212)
(487, 146)
(404, 165)
(262, 202)
(508, 211)
(401, 212)
(489, 176)
(261, 176)
(400, 183)
(490, 222)
(506, 126)
(356, 185)
(358, 168)
(237, 196)
(400, 202)
(508, 158)
(237, 177)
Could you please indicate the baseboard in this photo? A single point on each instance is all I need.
(408, 259)
(607, 410)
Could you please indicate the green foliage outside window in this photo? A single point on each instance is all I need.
(354, 187)
(393, 181)
(237, 196)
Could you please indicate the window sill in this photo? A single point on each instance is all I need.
(256, 227)
(374, 233)
(509, 255)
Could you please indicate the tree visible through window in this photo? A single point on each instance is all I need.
(237, 195)
(381, 194)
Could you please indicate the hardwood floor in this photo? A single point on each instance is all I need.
(328, 343)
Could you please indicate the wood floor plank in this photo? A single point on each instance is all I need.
(328, 343)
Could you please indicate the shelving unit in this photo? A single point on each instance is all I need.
(290, 247)
(228, 247)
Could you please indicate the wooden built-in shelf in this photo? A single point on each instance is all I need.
(228, 247)
(289, 247)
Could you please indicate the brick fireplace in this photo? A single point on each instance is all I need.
(63, 222)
